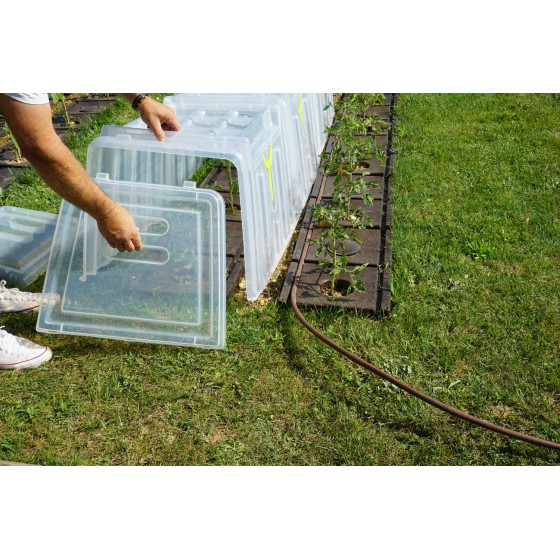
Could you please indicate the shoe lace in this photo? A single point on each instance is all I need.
(8, 342)
(13, 294)
(12, 291)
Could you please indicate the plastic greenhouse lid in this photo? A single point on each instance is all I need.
(25, 235)
(214, 123)
(267, 200)
(171, 292)
(282, 114)
(24, 276)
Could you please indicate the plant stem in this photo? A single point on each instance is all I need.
(230, 186)
(66, 116)
(334, 277)
(348, 195)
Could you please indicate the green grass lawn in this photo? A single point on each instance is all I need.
(475, 323)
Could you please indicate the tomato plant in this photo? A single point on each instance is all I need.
(233, 189)
(331, 246)
(19, 156)
(56, 97)
(353, 142)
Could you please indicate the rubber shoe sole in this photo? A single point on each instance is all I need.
(33, 362)
(30, 310)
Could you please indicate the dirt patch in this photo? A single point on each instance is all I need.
(501, 411)
(218, 435)
(274, 287)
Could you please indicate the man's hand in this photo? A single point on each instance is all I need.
(117, 226)
(158, 117)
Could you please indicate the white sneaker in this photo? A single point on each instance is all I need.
(14, 301)
(19, 353)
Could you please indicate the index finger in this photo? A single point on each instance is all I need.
(136, 241)
(173, 122)
(157, 130)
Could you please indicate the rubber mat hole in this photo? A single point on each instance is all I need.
(341, 288)
(349, 246)
(233, 208)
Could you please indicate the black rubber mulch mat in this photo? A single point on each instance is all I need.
(218, 180)
(375, 247)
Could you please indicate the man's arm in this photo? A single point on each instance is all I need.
(32, 127)
(157, 116)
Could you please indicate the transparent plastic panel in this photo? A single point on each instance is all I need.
(310, 107)
(286, 111)
(171, 292)
(25, 241)
(183, 171)
(127, 165)
(316, 119)
(251, 141)
(137, 123)
(306, 138)
(307, 111)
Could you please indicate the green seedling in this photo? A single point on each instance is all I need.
(342, 197)
(19, 156)
(56, 97)
(349, 152)
(365, 101)
(233, 189)
(355, 112)
(351, 146)
(331, 249)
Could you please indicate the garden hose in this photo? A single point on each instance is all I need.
(397, 382)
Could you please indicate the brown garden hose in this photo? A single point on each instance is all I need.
(397, 382)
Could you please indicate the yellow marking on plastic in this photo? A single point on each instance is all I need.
(268, 164)
(300, 111)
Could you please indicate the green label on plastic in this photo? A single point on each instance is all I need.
(268, 164)
(300, 111)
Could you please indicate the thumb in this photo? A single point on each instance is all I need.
(155, 125)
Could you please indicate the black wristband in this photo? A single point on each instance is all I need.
(138, 99)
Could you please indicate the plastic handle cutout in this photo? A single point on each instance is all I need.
(148, 255)
(151, 226)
